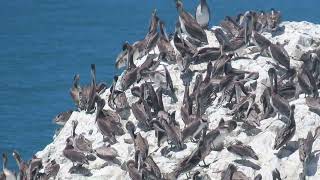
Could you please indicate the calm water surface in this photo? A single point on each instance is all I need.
(44, 43)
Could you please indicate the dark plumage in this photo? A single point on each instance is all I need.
(62, 118)
(242, 150)
(285, 134)
(279, 56)
(280, 104)
(52, 169)
(190, 25)
(74, 156)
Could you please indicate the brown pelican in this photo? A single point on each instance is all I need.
(197, 83)
(169, 85)
(130, 75)
(273, 19)
(151, 43)
(230, 26)
(223, 40)
(80, 143)
(186, 51)
(84, 97)
(203, 14)
(142, 110)
(118, 100)
(91, 95)
(278, 103)
(241, 105)
(150, 169)
(248, 26)
(305, 145)
(242, 150)
(228, 173)
(220, 63)
(307, 82)
(73, 155)
(7, 173)
(133, 171)
(206, 90)
(237, 45)
(75, 90)
(313, 104)
(194, 128)
(151, 97)
(285, 134)
(107, 153)
(141, 144)
(164, 44)
(190, 25)
(186, 108)
(259, 40)
(122, 58)
(262, 21)
(265, 100)
(107, 126)
(23, 166)
(35, 164)
(205, 143)
(187, 163)
(52, 169)
(195, 116)
(149, 64)
(62, 118)
(172, 130)
(207, 53)
(153, 23)
(279, 55)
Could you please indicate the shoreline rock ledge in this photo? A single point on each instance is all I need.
(297, 37)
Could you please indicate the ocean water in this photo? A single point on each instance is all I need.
(44, 43)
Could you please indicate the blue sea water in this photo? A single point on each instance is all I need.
(44, 43)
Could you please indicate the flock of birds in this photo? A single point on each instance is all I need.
(234, 88)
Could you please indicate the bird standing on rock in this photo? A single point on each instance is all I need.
(203, 14)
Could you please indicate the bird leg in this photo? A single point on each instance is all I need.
(136, 158)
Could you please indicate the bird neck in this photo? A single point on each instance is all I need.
(132, 134)
(273, 83)
(130, 59)
(207, 78)
(275, 78)
(292, 121)
(163, 32)
(186, 94)
(159, 96)
(198, 107)
(93, 74)
(4, 163)
(202, 3)
(180, 9)
(18, 159)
